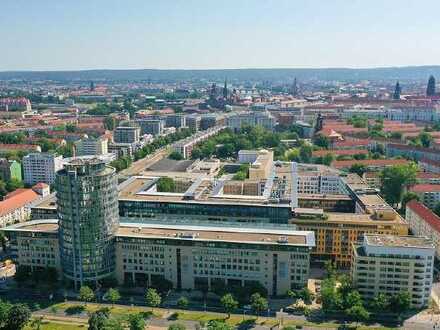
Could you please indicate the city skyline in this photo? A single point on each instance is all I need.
(198, 35)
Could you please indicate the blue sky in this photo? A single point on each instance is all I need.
(122, 34)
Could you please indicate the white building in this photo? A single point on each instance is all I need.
(252, 118)
(391, 264)
(41, 167)
(91, 146)
(319, 179)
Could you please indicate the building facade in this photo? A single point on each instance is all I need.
(10, 169)
(41, 167)
(87, 199)
(91, 146)
(392, 264)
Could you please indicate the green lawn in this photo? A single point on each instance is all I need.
(57, 326)
(116, 310)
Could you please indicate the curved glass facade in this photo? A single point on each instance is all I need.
(87, 199)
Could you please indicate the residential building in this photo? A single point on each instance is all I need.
(127, 132)
(41, 167)
(391, 264)
(264, 119)
(10, 169)
(370, 164)
(87, 237)
(91, 146)
(16, 206)
(176, 120)
(151, 126)
(417, 153)
(429, 194)
(193, 122)
(423, 222)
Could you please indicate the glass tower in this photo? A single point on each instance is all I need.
(87, 200)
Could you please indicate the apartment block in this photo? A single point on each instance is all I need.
(391, 264)
(41, 167)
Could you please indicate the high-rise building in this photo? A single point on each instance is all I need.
(87, 199)
(430, 89)
(41, 167)
(151, 126)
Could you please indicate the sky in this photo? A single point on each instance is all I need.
(208, 34)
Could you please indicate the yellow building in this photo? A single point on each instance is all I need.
(336, 232)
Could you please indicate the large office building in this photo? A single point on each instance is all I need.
(88, 243)
(87, 201)
(41, 167)
(252, 118)
(391, 264)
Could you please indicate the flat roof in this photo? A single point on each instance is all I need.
(47, 226)
(221, 234)
(398, 241)
(132, 188)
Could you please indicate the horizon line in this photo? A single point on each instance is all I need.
(226, 69)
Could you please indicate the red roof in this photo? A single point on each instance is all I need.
(352, 143)
(426, 214)
(369, 162)
(339, 152)
(420, 188)
(17, 199)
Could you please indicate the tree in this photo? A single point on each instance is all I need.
(218, 325)
(3, 241)
(430, 89)
(182, 302)
(13, 184)
(152, 298)
(109, 123)
(175, 155)
(36, 323)
(330, 268)
(258, 303)
(306, 295)
(86, 294)
(98, 320)
(165, 184)
(136, 322)
(112, 295)
(395, 179)
(71, 128)
(357, 313)
(425, 139)
(400, 302)
(229, 303)
(305, 153)
(397, 91)
(357, 168)
(408, 196)
(176, 326)
(3, 191)
(379, 303)
(322, 141)
(17, 317)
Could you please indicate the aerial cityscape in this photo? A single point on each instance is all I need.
(213, 186)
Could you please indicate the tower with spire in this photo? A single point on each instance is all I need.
(397, 91)
(225, 90)
(294, 90)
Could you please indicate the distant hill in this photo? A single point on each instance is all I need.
(341, 74)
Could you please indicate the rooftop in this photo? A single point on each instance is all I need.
(211, 233)
(48, 226)
(426, 214)
(19, 198)
(420, 188)
(397, 241)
